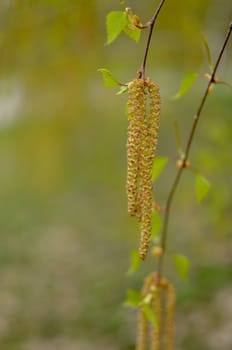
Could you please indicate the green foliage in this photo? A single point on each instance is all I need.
(116, 21)
(135, 262)
(150, 314)
(133, 33)
(159, 165)
(109, 79)
(202, 186)
(122, 90)
(147, 299)
(133, 298)
(156, 224)
(208, 52)
(182, 266)
(186, 84)
(62, 170)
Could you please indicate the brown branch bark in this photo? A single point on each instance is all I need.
(186, 153)
(151, 24)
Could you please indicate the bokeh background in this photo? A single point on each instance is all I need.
(65, 236)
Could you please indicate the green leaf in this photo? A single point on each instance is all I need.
(186, 84)
(133, 33)
(182, 266)
(147, 299)
(109, 79)
(202, 187)
(116, 21)
(150, 315)
(156, 224)
(208, 52)
(135, 262)
(158, 167)
(133, 298)
(122, 90)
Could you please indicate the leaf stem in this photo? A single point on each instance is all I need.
(151, 22)
(186, 153)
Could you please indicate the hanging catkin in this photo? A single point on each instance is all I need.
(143, 116)
(163, 310)
(169, 316)
(142, 331)
(136, 117)
(142, 322)
(157, 309)
(147, 156)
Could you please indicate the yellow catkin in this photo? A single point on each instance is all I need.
(157, 309)
(155, 287)
(148, 139)
(143, 116)
(169, 316)
(142, 322)
(142, 331)
(148, 282)
(136, 117)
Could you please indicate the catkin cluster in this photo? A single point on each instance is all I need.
(149, 336)
(144, 117)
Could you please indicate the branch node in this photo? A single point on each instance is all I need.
(140, 74)
(183, 164)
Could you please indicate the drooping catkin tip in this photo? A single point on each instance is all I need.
(145, 239)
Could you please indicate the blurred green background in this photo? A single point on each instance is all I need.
(65, 236)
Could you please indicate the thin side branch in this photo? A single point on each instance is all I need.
(187, 151)
(151, 24)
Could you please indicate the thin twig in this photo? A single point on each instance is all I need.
(186, 153)
(151, 23)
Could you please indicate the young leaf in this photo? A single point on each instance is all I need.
(158, 167)
(133, 19)
(134, 262)
(208, 52)
(186, 84)
(133, 33)
(133, 298)
(116, 21)
(156, 224)
(147, 299)
(122, 90)
(202, 187)
(150, 315)
(109, 79)
(182, 266)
